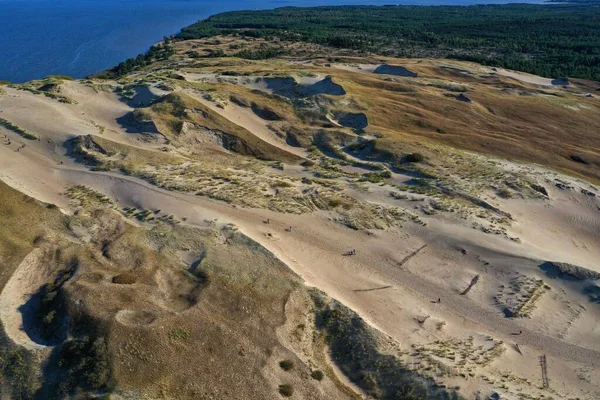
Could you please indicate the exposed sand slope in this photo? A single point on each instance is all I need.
(529, 78)
(26, 280)
(247, 119)
(399, 271)
(310, 251)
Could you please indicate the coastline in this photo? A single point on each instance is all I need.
(53, 48)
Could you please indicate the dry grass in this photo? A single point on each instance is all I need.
(24, 222)
(126, 278)
(235, 279)
(506, 118)
(170, 113)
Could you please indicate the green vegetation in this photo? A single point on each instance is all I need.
(180, 334)
(157, 52)
(548, 40)
(58, 77)
(16, 365)
(17, 129)
(286, 390)
(261, 54)
(286, 365)
(414, 157)
(317, 375)
(355, 349)
(375, 177)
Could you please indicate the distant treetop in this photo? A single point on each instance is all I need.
(549, 40)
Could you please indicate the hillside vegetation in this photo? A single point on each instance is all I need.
(241, 217)
(547, 40)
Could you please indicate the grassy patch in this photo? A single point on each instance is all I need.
(179, 334)
(17, 129)
(375, 177)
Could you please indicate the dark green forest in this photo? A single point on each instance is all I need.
(549, 40)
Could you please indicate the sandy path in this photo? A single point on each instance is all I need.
(314, 250)
(311, 251)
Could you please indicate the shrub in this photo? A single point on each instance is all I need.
(333, 203)
(414, 157)
(281, 184)
(85, 363)
(375, 177)
(318, 375)
(286, 390)
(504, 193)
(286, 365)
(126, 278)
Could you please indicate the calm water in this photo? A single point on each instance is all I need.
(80, 37)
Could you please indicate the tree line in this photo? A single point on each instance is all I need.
(549, 40)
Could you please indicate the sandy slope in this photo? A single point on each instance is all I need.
(247, 119)
(309, 248)
(525, 77)
(314, 249)
(26, 280)
(391, 281)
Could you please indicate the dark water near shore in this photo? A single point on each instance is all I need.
(81, 37)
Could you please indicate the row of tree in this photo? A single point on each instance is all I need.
(549, 40)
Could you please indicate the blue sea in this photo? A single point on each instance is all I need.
(80, 37)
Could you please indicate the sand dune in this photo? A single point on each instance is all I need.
(456, 268)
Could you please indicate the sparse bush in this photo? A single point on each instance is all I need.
(504, 193)
(375, 177)
(333, 203)
(48, 318)
(17, 367)
(85, 363)
(286, 390)
(16, 129)
(286, 365)
(317, 375)
(281, 184)
(414, 157)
